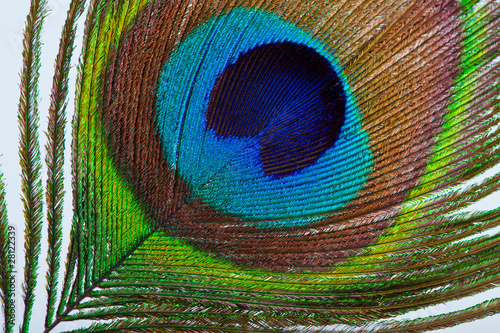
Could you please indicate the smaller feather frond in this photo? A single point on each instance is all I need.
(55, 152)
(7, 261)
(29, 153)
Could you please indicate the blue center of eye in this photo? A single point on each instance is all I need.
(289, 96)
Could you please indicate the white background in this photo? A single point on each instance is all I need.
(12, 19)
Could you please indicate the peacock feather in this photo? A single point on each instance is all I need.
(265, 166)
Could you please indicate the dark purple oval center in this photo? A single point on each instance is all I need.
(289, 96)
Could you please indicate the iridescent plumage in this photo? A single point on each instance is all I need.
(275, 165)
